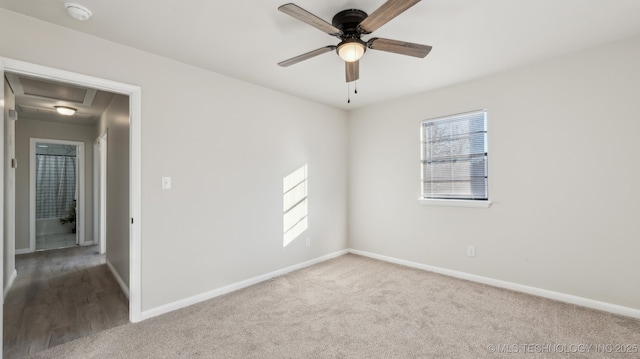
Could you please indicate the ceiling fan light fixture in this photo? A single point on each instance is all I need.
(66, 111)
(351, 51)
(78, 11)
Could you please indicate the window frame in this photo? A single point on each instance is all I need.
(455, 202)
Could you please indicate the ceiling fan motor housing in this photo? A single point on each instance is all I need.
(348, 21)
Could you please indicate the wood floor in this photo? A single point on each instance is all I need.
(58, 296)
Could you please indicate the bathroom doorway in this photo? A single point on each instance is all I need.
(57, 188)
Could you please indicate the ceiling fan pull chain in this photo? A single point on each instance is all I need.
(348, 92)
(356, 85)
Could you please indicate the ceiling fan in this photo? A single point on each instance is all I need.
(349, 26)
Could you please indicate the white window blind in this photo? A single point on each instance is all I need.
(454, 157)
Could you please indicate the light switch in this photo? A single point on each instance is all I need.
(166, 182)
(13, 115)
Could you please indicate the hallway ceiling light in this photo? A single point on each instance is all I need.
(78, 11)
(67, 111)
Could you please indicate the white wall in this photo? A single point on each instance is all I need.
(27, 128)
(9, 216)
(227, 145)
(563, 176)
(115, 121)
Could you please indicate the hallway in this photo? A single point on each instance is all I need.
(58, 296)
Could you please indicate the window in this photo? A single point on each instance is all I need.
(295, 207)
(454, 158)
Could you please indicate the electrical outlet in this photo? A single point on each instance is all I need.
(471, 251)
(308, 241)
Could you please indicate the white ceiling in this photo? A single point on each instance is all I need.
(246, 39)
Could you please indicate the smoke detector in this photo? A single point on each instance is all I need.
(78, 11)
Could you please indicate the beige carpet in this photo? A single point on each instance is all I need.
(356, 307)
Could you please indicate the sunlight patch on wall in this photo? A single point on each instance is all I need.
(295, 207)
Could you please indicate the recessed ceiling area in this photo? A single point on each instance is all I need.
(37, 98)
(470, 39)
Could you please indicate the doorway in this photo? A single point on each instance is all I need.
(135, 101)
(52, 189)
(57, 194)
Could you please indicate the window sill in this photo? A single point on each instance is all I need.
(454, 203)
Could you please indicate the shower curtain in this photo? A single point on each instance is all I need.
(55, 185)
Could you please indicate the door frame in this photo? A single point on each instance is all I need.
(100, 191)
(80, 173)
(135, 160)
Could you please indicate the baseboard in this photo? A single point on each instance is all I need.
(562, 297)
(235, 286)
(115, 273)
(28, 250)
(12, 279)
(23, 251)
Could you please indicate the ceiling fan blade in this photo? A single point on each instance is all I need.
(385, 13)
(308, 55)
(309, 18)
(352, 70)
(399, 47)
